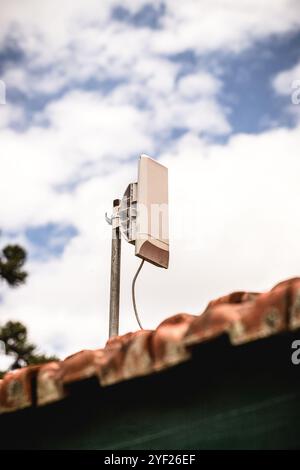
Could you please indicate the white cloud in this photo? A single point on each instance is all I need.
(86, 43)
(195, 85)
(226, 25)
(285, 81)
(11, 115)
(191, 102)
(5, 361)
(85, 134)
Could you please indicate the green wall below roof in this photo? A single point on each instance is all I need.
(225, 398)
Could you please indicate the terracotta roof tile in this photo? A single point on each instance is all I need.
(16, 389)
(243, 316)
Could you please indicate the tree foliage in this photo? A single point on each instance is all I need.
(13, 335)
(12, 260)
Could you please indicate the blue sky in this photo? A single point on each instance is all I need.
(205, 88)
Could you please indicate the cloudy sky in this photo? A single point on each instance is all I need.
(208, 87)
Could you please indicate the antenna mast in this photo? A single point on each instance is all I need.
(115, 271)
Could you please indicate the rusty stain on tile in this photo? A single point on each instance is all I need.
(16, 389)
(49, 384)
(295, 309)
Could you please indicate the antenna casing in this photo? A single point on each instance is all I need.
(152, 218)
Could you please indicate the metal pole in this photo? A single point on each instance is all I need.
(115, 272)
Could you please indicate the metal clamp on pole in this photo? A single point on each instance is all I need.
(115, 270)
